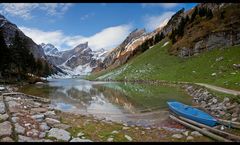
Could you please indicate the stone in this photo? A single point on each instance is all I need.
(80, 134)
(15, 119)
(59, 134)
(219, 59)
(128, 137)
(235, 115)
(177, 136)
(39, 110)
(213, 74)
(196, 133)
(4, 117)
(51, 121)
(22, 138)
(43, 126)
(2, 108)
(80, 140)
(33, 133)
(110, 139)
(5, 129)
(234, 119)
(19, 129)
(186, 133)
(125, 128)
(114, 132)
(37, 104)
(226, 99)
(189, 138)
(38, 117)
(42, 134)
(61, 126)
(7, 139)
(214, 100)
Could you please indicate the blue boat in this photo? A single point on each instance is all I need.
(192, 113)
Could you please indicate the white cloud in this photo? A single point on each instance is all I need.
(108, 38)
(24, 10)
(153, 22)
(164, 5)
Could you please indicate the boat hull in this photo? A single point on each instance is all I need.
(192, 113)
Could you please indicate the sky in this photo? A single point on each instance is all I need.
(103, 25)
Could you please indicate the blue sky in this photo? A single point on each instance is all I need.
(104, 25)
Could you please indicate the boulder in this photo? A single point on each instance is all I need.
(4, 117)
(7, 139)
(189, 138)
(19, 129)
(5, 129)
(59, 134)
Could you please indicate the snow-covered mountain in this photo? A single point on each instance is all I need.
(50, 49)
(77, 61)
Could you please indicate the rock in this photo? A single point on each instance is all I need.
(128, 137)
(43, 126)
(219, 59)
(59, 134)
(2, 88)
(213, 74)
(42, 134)
(214, 100)
(38, 117)
(5, 129)
(33, 133)
(196, 133)
(4, 117)
(177, 136)
(235, 115)
(125, 128)
(37, 104)
(189, 138)
(19, 129)
(7, 139)
(236, 66)
(22, 138)
(226, 99)
(2, 108)
(51, 121)
(61, 126)
(228, 104)
(186, 133)
(80, 140)
(80, 134)
(110, 139)
(49, 113)
(15, 119)
(39, 110)
(234, 119)
(114, 132)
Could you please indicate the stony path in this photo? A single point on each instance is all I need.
(220, 89)
(24, 119)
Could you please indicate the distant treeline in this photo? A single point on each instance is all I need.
(16, 61)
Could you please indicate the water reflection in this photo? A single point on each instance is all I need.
(120, 102)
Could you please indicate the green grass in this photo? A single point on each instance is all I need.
(157, 64)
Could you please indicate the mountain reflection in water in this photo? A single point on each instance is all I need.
(119, 102)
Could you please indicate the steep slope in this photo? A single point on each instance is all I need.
(216, 67)
(9, 30)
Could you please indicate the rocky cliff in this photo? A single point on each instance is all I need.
(9, 30)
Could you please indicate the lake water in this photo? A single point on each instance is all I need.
(138, 104)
